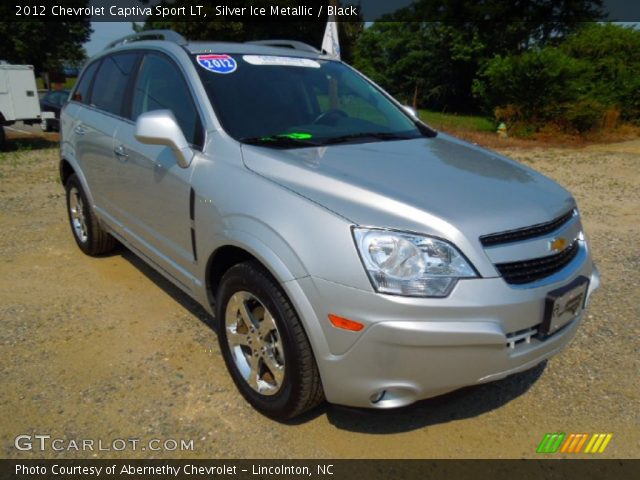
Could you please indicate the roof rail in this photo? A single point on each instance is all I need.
(168, 35)
(286, 44)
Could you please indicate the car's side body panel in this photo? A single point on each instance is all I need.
(150, 180)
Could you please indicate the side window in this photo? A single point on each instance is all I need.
(160, 86)
(110, 86)
(81, 93)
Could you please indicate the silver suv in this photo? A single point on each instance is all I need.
(346, 249)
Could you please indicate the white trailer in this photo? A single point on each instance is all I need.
(19, 99)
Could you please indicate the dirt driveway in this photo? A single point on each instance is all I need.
(106, 349)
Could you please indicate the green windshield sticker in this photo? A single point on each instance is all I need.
(298, 135)
(294, 135)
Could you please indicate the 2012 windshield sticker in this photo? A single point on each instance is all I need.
(217, 63)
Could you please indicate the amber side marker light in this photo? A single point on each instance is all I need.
(345, 323)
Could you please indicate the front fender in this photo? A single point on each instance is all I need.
(264, 243)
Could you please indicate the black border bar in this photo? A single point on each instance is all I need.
(322, 469)
(304, 11)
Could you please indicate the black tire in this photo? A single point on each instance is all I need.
(301, 388)
(93, 240)
(45, 126)
(2, 137)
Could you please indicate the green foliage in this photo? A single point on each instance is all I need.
(613, 54)
(535, 82)
(424, 64)
(421, 63)
(436, 62)
(69, 83)
(46, 45)
(392, 55)
(584, 114)
(575, 85)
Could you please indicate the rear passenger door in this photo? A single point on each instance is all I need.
(95, 127)
(155, 200)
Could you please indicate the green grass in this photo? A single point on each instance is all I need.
(68, 84)
(452, 121)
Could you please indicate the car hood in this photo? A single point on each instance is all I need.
(441, 186)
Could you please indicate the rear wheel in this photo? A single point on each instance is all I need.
(87, 231)
(2, 138)
(264, 345)
(45, 126)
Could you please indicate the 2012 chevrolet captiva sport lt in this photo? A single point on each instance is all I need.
(346, 249)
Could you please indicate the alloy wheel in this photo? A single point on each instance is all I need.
(255, 343)
(78, 220)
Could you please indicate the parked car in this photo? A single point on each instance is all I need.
(53, 101)
(346, 249)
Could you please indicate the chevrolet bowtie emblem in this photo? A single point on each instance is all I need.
(557, 244)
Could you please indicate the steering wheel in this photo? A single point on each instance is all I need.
(334, 112)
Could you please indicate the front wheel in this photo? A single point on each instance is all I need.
(264, 345)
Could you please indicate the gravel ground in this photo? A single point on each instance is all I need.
(106, 349)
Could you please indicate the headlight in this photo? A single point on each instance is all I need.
(412, 265)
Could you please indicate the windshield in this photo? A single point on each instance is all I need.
(290, 102)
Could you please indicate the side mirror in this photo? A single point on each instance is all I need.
(410, 111)
(159, 127)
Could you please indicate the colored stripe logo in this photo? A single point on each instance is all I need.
(550, 443)
(598, 443)
(574, 443)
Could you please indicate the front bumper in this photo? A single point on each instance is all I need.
(416, 348)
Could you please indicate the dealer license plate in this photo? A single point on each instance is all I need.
(563, 305)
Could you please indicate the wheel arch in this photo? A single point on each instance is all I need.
(66, 170)
(219, 262)
(68, 167)
(243, 247)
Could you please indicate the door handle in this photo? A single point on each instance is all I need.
(121, 152)
(80, 130)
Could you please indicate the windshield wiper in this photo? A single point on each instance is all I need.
(281, 141)
(374, 135)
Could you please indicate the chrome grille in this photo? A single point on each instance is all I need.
(527, 271)
(520, 234)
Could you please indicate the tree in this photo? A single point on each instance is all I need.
(457, 38)
(613, 54)
(393, 55)
(531, 89)
(589, 80)
(421, 63)
(46, 45)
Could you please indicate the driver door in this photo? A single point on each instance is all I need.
(156, 198)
